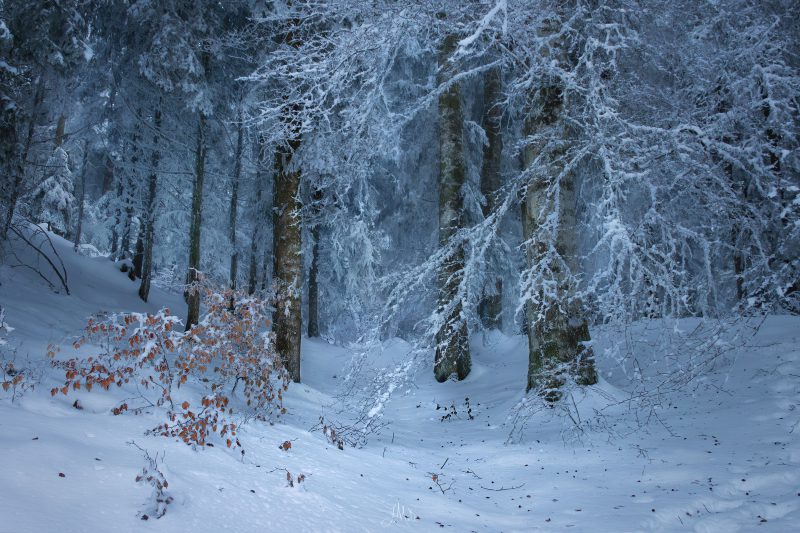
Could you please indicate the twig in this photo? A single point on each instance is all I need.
(503, 488)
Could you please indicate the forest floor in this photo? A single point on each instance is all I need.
(720, 455)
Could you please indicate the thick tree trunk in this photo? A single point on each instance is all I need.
(82, 196)
(491, 307)
(313, 272)
(237, 171)
(150, 210)
(288, 264)
(193, 296)
(557, 330)
(452, 339)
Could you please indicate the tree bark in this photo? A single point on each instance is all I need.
(150, 210)
(193, 296)
(287, 260)
(313, 273)
(491, 307)
(252, 275)
(237, 171)
(557, 330)
(452, 339)
(288, 264)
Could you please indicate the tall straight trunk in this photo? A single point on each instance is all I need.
(150, 210)
(22, 161)
(452, 339)
(252, 275)
(193, 296)
(313, 273)
(237, 171)
(558, 332)
(491, 306)
(287, 250)
(82, 197)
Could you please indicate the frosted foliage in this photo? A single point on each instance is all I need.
(676, 128)
(55, 193)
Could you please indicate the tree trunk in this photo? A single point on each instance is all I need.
(19, 174)
(237, 171)
(288, 264)
(10, 164)
(265, 270)
(138, 256)
(252, 275)
(452, 339)
(150, 210)
(82, 197)
(193, 296)
(491, 307)
(60, 126)
(557, 330)
(131, 182)
(117, 221)
(313, 273)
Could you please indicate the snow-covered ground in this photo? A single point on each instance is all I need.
(722, 455)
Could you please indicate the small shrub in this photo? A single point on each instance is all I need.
(153, 476)
(229, 349)
(452, 412)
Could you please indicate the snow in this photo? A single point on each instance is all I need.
(725, 457)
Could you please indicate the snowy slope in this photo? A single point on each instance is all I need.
(725, 455)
